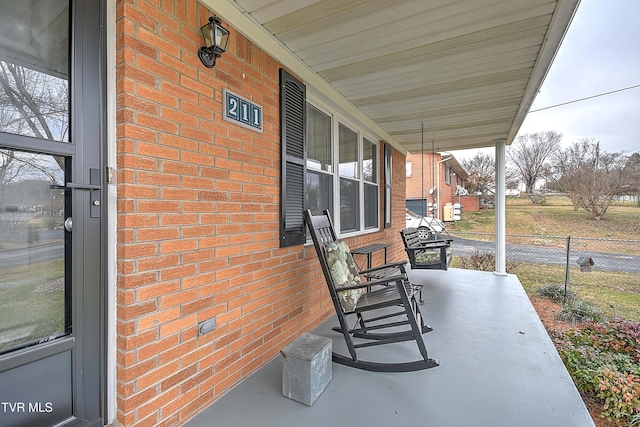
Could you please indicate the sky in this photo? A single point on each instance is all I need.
(600, 53)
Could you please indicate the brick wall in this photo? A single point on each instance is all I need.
(415, 181)
(420, 169)
(197, 222)
(470, 203)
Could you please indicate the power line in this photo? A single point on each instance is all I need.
(584, 99)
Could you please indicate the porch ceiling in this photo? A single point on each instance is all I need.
(469, 69)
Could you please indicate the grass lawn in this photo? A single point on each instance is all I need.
(556, 218)
(615, 294)
(31, 307)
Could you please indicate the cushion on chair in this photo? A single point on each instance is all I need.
(431, 256)
(428, 256)
(344, 272)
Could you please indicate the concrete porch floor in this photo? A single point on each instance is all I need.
(498, 367)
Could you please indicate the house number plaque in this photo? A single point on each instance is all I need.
(242, 111)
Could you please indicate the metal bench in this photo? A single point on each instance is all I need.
(432, 251)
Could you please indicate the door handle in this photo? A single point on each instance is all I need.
(94, 187)
(68, 224)
(75, 186)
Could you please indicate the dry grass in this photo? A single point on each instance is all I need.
(557, 218)
(615, 293)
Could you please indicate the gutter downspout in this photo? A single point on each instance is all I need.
(500, 209)
(438, 184)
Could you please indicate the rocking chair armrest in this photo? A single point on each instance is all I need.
(384, 280)
(349, 288)
(392, 264)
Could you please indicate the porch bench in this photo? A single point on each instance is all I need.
(433, 252)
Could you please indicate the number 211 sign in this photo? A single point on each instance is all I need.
(241, 111)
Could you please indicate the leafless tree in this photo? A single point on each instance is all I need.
(20, 166)
(530, 153)
(481, 169)
(33, 103)
(567, 166)
(512, 178)
(632, 177)
(591, 178)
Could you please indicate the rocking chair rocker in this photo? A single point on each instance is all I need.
(351, 296)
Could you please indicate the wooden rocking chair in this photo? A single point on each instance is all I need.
(351, 296)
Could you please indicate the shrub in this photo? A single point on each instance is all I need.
(555, 292)
(604, 361)
(485, 261)
(578, 311)
(33, 236)
(620, 393)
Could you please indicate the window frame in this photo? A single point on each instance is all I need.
(332, 172)
(375, 184)
(362, 134)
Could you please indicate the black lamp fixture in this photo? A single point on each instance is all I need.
(216, 38)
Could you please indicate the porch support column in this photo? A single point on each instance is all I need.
(500, 209)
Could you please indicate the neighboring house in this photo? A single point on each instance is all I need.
(177, 264)
(435, 179)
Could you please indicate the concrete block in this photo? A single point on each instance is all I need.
(306, 368)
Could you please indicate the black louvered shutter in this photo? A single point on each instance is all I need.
(293, 145)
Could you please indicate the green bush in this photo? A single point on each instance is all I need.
(555, 292)
(33, 236)
(604, 361)
(578, 311)
(620, 393)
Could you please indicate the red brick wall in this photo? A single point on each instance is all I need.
(415, 182)
(420, 168)
(470, 203)
(197, 223)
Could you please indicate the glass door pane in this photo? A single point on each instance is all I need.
(34, 295)
(34, 68)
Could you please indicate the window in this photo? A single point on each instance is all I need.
(388, 167)
(409, 167)
(349, 179)
(447, 174)
(370, 177)
(319, 185)
(326, 164)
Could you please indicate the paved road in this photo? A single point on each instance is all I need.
(461, 246)
(551, 255)
(36, 253)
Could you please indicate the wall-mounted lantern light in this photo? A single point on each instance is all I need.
(216, 38)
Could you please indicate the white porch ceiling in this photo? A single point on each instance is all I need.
(468, 69)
